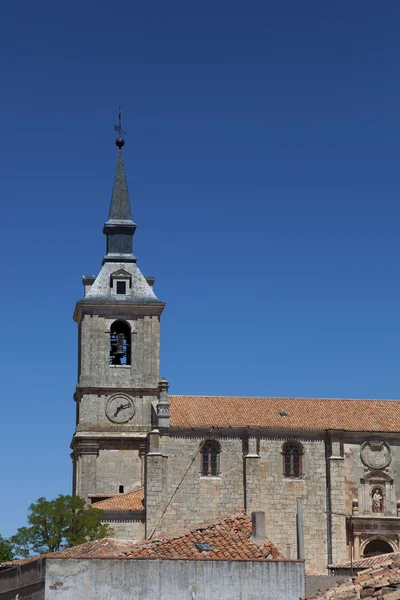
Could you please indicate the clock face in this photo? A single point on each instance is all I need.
(120, 408)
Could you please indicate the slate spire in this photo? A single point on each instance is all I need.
(119, 228)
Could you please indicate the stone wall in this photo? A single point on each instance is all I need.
(279, 497)
(174, 477)
(103, 466)
(127, 530)
(251, 476)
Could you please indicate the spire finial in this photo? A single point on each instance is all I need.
(120, 140)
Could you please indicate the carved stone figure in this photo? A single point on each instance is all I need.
(377, 501)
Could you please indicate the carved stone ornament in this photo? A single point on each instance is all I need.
(375, 454)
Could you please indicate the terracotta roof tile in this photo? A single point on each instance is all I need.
(18, 561)
(369, 563)
(121, 502)
(382, 582)
(95, 549)
(301, 413)
(229, 538)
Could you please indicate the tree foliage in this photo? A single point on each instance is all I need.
(57, 524)
(6, 550)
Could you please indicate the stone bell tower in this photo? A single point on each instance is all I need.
(118, 360)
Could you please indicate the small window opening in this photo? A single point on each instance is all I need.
(121, 489)
(121, 287)
(292, 467)
(120, 343)
(210, 459)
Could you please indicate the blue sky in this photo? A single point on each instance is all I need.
(262, 160)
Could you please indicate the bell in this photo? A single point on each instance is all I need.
(120, 351)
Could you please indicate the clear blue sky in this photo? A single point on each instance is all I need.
(262, 158)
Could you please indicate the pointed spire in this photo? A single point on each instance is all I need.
(119, 228)
(120, 208)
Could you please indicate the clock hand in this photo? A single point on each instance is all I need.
(121, 407)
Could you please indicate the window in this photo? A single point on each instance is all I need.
(209, 457)
(121, 287)
(292, 460)
(120, 343)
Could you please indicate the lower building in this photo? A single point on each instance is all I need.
(224, 558)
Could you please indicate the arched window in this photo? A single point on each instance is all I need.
(292, 460)
(120, 343)
(209, 458)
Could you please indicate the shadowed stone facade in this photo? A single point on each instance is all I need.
(346, 474)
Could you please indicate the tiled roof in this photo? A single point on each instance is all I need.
(300, 413)
(18, 561)
(96, 549)
(382, 583)
(229, 538)
(370, 562)
(121, 502)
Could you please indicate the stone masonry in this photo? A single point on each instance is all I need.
(345, 461)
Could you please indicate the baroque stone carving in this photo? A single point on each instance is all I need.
(377, 501)
(375, 454)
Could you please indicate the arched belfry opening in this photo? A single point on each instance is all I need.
(120, 343)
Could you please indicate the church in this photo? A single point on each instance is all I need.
(155, 462)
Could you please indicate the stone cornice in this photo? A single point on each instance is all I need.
(123, 309)
(274, 432)
(104, 391)
(91, 439)
(124, 516)
(245, 432)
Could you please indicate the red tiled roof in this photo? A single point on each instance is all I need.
(19, 561)
(382, 583)
(121, 502)
(229, 538)
(370, 562)
(301, 413)
(95, 549)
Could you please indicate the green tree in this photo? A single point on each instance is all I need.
(6, 550)
(56, 524)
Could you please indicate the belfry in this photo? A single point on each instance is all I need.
(118, 361)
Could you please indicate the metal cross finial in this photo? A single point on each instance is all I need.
(119, 126)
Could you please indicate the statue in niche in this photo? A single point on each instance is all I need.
(377, 501)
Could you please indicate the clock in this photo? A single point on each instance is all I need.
(120, 408)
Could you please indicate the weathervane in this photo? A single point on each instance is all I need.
(120, 141)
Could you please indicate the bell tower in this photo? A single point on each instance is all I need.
(118, 360)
